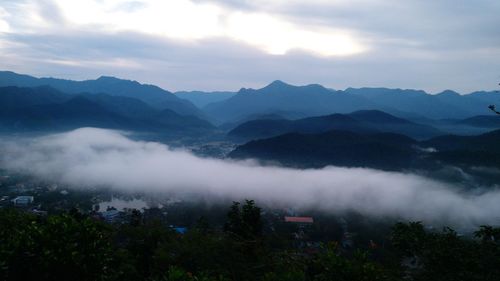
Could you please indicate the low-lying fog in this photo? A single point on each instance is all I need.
(97, 157)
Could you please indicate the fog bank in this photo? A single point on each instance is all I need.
(97, 157)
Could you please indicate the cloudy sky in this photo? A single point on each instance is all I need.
(229, 44)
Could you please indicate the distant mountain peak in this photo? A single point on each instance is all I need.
(277, 84)
(104, 77)
(373, 115)
(448, 93)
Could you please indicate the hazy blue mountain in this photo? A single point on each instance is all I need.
(411, 101)
(366, 121)
(258, 129)
(491, 97)
(14, 97)
(228, 126)
(314, 100)
(150, 94)
(476, 154)
(484, 142)
(473, 104)
(341, 148)
(278, 98)
(310, 100)
(261, 128)
(44, 108)
(149, 117)
(482, 121)
(201, 99)
(470, 151)
(385, 122)
(74, 113)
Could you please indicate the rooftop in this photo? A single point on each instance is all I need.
(299, 219)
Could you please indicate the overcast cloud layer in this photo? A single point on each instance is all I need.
(228, 44)
(97, 157)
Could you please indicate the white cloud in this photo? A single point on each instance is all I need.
(431, 45)
(4, 25)
(96, 157)
(189, 21)
(278, 37)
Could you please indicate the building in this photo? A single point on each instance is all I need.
(23, 200)
(300, 220)
(110, 215)
(179, 230)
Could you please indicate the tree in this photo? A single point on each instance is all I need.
(447, 256)
(492, 107)
(245, 221)
(488, 233)
(62, 247)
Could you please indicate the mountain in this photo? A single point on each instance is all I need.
(341, 148)
(365, 121)
(469, 151)
(491, 97)
(315, 100)
(228, 126)
(310, 100)
(152, 95)
(14, 97)
(257, 129)
(385, 122)
(74, 113)
(201, 99)
(482, 121)
(447, 104)
(478, 156)
(44, 108)
(484, 142)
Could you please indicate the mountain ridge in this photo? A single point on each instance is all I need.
(150, 94)
(364, 121)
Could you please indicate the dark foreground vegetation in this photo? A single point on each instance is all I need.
(74, 246)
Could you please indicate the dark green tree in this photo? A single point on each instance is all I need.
(245, 221)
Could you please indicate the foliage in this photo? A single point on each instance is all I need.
(244, 221)
(73, 246)
(446, 255)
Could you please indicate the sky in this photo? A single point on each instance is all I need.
(226, 45)
(105, 158)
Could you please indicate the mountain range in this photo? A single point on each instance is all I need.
(386, 151)
(315, 100)
(30, 103)
(341, 148)
(202, 99)
(154, 96)
(45, 108)
(365, 121)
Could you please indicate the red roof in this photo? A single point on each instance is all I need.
(299, 219)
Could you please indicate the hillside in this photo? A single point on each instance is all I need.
(44, 108)
(315, 100)
(152, 95)
(341, 148)
(310, 100)
(366, 121)
(474, 154)
(482, 121)
(202, 99)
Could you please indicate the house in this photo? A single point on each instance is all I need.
(39, 212)
(110, 215)
(23, 200)
(180, 230)
(300, 220)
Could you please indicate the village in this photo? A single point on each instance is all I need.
(308, 231)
